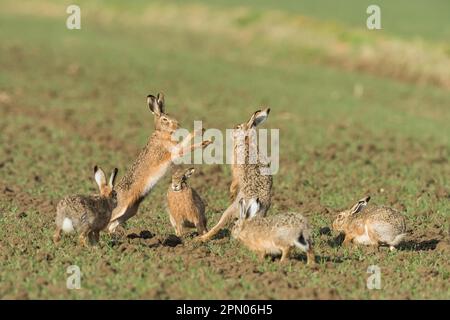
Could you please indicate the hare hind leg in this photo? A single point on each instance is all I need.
(117, 213)
(82, 240)
(200, 225)
(94, 237)
(285, 254)
(310, 256)
(127, 212)
(231, 211)
(347, 240)
(57, 236)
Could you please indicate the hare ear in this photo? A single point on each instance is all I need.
(99, 177)
(360, 205)
(156, 104)
(252, 208)
(160, 101)
(258, 117)
(189, 172)
(112, 178)
(241, 209)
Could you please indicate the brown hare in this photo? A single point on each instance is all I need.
(251, 176)
(152, 163)
(87, 214)
(372, 226)
(273, 235)
(186, 208)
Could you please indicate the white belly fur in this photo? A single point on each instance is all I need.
(269, 247)
(154, 178)
(364, 238)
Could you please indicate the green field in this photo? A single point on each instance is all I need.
(359, 112)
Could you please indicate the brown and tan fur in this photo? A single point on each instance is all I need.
(88, 215)
(186, 208)
(251, 179)
(152, 163)
(273, 235)
(374, 226)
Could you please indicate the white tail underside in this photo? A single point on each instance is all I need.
(67, 225)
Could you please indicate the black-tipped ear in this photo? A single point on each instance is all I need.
(251, 122)
(99, 177)
(189, 172)
(155, 105)
(95, 169)
(112, 178)
(151, 99)
(241, 209)
(160, 101)
(258, 117)
(360, 205)
(252, 208)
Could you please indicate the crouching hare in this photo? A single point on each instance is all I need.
(372, 226)
(186, 208)
(88, 215)
(272, 235)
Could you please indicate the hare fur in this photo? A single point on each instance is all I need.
(186, 208)
(88, 215)
(371, 226)
(251, 176)
(273, 235)
(152, 163)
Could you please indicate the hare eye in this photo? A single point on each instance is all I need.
(164, 119)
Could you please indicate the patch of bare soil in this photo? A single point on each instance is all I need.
(25, 202)
(435, 238)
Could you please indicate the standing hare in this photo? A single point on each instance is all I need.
(372, 226)
(152, 163)
(186, 208)
(272, 235)
(251, 175)
(87, 214)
